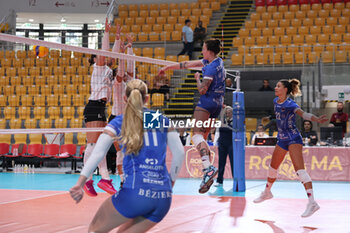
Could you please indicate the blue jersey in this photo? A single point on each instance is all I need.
(215, 71)
(146, 170)
(285, 117)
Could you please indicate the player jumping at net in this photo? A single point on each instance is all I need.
(212, 90)
(94, 112)
(289, 139)
(146, 195)
(119, 85)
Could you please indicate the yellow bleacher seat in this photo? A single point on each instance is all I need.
(123, 14)
(271, 9)
(68, 138)
(17, 62)
(171, 58)
(3, 100)
(237, 41)
(35, 138)
(249, 41)
(10, 54)
(157, 100)
(15, 81)
(30, 123)
(164, 13)
(310, 39)
(26, 100)
(327, 6)
(13, 100)
(343, 21)
(9, 90)
(65, 100)
(260, 9)
(52, 100)
(300, 14)
(265, 16)
(288, 15)
(249, 24)
(323, 13)
(291, 31)
(5, 138)
(81, 138)
(316, 6)
(20, 138)
(76, 123)
(15, 123)
(153, 36)
(9, 112)
(183, 58)
(45, 123)
(300, 58)
(133, 14)
(38, 112)
(194, 5)
(345, 12)
(61, 123)
(251, 124)
(237, 59)
(24, 112)
(282, 8)
(255, 32)
(53, 112)
(153, 6)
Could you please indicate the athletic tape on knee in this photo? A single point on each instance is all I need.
(272, 173)
(197, 139)
(303, 176)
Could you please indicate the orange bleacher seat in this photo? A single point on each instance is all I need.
(176, 35)
(339, 5)
(272, 24)
(331, 47)
(183, 58)
(260, 9)
(158, 28)
(147, 52)
(171, 20)
(9, 112)
(154, 13)
(336, 38)
(68, 112)
(291, 31)
(298, 39)
(313, 57)
(340, 56)
(119, 21)
(13, 100)
(262, 59)
(287, 58)
(249, 59)
(300, 58)
(135, 29)
(265, 16)
(215, 6)
(164, 13)
(343, 21)
(144, 13)
(171, 58)
(123, 14)
(163, 6)
(310, 39)
(289, 15)
(323, 38)
(255, 32)
(261, 40)
(53, 112)
(286, 40)
(307, 22)
(243, 32)
(260, 24)
(249, 24)
(26, 100)
(146, 28)
(39, 100)
(153, 6)
(311, 14)
(323, 13)
(153, 36)
(142, 36)
(30, 123)
(327, 6)
(157, 100)
(271, 9)
(237, 59)
(327, 57)
(139, 21)
(277, 16)
(295, 22)
(327, 29)
(300, 15)
(345, 12)
(237, 41)
(249, 41)
(282, 8)
(161, 20)
(279, 31)
(284, 23)
(129, 21)
(186, 12)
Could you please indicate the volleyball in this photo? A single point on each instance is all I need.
(40, 51)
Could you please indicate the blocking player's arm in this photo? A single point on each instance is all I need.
(311, 117)
(204, 85)
(181, 66)
(100, 60)
(177, 149)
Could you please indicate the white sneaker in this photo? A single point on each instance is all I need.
(265, 195)
(311, 208)
(217, 184)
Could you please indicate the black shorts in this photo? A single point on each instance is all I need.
(95, 110)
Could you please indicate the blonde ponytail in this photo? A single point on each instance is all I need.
(132, 128)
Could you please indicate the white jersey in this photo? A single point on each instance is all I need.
(101, 82)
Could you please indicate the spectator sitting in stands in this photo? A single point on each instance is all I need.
(309, 136)
(266, 86)
(259, 134)
(200, 33)
(229, 85)
(161, 85)
(340, 118)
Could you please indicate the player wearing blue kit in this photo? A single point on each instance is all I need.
(212, 90)
(289, 139)
(145, 197)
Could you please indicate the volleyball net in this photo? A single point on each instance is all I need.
(51, 92)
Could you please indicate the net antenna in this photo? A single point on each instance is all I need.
(110, 10)
(237, 75)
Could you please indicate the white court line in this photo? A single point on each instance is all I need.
(30, 228)
(71, 229)
(32, 198)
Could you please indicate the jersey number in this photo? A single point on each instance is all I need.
(154, 136)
